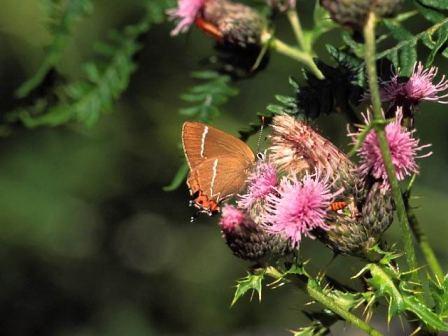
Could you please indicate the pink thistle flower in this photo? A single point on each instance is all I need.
(299, 207)
(186, 13)
(261, 182)
(403, 147)
(231, 218)
(419, 87)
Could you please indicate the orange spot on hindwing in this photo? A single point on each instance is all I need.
(203, 203)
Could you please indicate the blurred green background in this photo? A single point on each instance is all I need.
(89, 242)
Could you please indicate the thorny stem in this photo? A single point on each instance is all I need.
(297, 28)
(316, 292)
(369, 36)
(294, 53)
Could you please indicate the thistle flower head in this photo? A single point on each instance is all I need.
(297, 147)
(418, 87)
(353, 13)
(404, 149)
(231, 218)
(261, 182)
(186, 14)
(250, 241)
(298, 207)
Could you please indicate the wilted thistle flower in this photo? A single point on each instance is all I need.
(299, 207)
(226, 21)
(296, 147)
(404, 149)
(261, 182)
(419, 87)
(247, 240)
(354, 13)
(282, 5)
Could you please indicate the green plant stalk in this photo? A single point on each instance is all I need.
(317, 294)
(370, 51)
(423, 242)
(314, 290)
(297, 28)
(294, 53)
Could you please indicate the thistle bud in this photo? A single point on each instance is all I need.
(358, 227)
(281, 5)
(226, 21)
(354, 13)
(248, 240)
(234, 23)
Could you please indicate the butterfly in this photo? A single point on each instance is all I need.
(219, 164)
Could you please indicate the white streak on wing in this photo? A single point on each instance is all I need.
(204, 135)
(214, 173)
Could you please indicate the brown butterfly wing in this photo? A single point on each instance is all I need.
(202, 142)
(219, 178)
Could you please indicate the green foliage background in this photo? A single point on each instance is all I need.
(90, 244)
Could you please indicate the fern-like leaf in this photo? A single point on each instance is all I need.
(84, 101)
(405, 53)
(62, 18)
(208, 96)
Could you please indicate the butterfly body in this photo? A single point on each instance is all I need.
(218, 162)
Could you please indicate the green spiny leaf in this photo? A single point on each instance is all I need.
(315, 329)
(425, 314)
(252, 282)
(382, 282)
(439, 293)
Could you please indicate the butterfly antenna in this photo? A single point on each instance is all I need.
(260, 135)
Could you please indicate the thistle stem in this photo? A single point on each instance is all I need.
(318, 294)
(423, 242)
(315, 291)
(294, 53)
(297, 28)
(370, 51)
